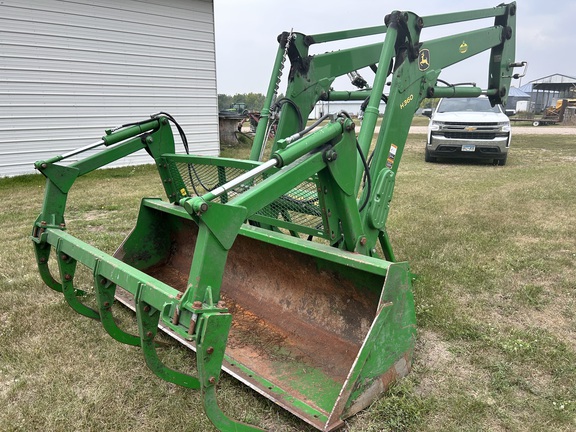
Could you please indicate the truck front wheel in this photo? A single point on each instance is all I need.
(501, 161)
(427, 157)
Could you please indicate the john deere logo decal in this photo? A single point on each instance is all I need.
(424, 60)
(463, 47)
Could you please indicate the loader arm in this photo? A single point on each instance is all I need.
(270, 269)
(415, 65)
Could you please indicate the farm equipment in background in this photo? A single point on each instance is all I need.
(253, 118)
(236, 109)
(551, 115)
(231, 122)
(555, 114)
(280, 272)
(228, 121)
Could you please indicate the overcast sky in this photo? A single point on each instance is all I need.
(246, 34)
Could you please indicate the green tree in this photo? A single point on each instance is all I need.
(253, 101)
(224, 102)
(429, 103)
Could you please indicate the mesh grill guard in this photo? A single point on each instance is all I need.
(200, 179)
(297, 211)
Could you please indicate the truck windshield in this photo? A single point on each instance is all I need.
(467, 104)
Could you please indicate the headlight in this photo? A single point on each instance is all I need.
(504, 126)
(436, 125)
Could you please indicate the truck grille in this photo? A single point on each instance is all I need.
(470, 135)
(492, 124)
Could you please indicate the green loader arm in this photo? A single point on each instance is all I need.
(413, 67)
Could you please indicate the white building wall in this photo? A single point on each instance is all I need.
(351, 107)
(71, 69)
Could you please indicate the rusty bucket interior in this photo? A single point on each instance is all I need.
(317, 330)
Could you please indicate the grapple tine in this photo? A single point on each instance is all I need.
(218, 418)
(148, 318)
(105, 291)
(210, 348)
(67, 267)
(42, 252)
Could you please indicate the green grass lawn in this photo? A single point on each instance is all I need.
(495, 252)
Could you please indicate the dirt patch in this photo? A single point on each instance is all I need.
(435, 362)
(434, 351)
(549, 318)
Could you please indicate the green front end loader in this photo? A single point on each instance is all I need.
(278, 270)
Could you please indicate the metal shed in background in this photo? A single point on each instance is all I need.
(70, 69)
(518, 100)
(545, 91)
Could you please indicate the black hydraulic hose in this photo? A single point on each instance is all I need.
(367, 176)
(284, 100)
(457, 84)
(180, 130)
(366, 168)
(315, 124)
(365, 103)
(191, 168)
(369, 165)
(303, 132)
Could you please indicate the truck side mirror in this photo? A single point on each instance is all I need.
(427, 112)
(510, 112)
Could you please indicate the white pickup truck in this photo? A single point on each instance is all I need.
(468, 128)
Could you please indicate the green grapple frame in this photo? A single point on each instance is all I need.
(280, 272)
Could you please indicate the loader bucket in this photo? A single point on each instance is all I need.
(320, 331)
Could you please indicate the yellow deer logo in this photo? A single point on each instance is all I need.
(424, 60)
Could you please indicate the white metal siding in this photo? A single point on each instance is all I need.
(69, 69)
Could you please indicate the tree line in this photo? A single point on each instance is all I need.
(253, 101)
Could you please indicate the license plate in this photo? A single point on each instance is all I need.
(468, 148)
